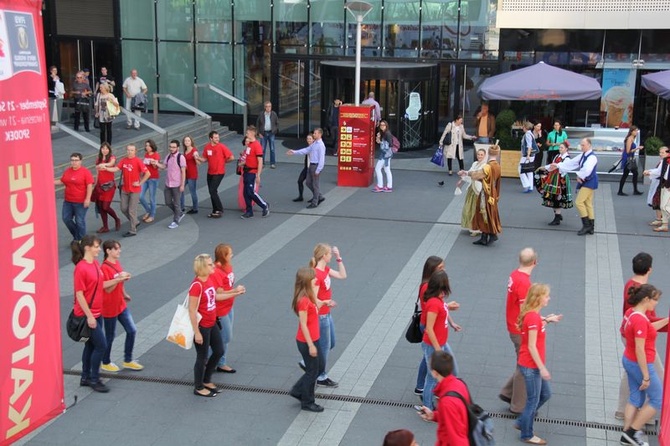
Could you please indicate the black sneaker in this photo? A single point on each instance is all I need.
(192, 211)
(246, 216)
(266, 211)
(418, 391)
(99, 387)
(327, 383)
(302, 366)
(631, 436)
(84, 382)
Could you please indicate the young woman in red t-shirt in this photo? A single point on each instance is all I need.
(202, 297)
(531, 360)
(224, 279)
(432, 264)
(151, 160)
(436, 330)
(638, 361)
(114, 308)
(323, 253)
(105, 187)
(190, 153)
(88, 286)
(306, 306)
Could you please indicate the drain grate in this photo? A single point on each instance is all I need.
(353, 399)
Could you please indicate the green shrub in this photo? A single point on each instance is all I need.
(651, 145)
(504, 122)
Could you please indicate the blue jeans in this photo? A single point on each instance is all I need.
(193, 190)
(637, 396)
(430, 382)
(126, 320)
(325, 343)
(269, 140)
(74, 217)
(538, 392)
(226, 334)
(94, 348)
(150, 208)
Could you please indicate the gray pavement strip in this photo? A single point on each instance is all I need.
(361, 362)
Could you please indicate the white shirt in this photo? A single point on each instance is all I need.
(134, 86)
(573, 164)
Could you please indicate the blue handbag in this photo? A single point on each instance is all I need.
(438, 157)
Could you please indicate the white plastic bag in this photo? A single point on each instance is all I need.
(181, 331)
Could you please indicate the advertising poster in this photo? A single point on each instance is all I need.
(31, 369)
(355, 166)
(616, 104)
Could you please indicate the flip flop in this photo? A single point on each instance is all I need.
(535, 440)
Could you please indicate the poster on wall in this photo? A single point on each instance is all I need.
(355, 159)
(616, 104)
(31, 369)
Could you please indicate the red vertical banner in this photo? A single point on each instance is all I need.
(31, 369)
(356, 151)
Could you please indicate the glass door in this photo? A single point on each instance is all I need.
(290, 96)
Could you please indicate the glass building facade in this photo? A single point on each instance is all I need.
(272, 50)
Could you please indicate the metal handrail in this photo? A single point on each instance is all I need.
(178, 101)
(161, 131)
(220, 92)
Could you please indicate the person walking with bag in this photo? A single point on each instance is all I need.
(105, 187)
(103, 112)
(531, 360)
(306, 307)
(384, 141)
(88, 289)
(453, 147)
(629, 162)
(115, 308)
(202, 296)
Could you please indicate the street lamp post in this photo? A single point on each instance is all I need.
(358, 10)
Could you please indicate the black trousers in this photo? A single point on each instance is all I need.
(301, 180)
(213, 182)
(204, 368)
(78, 112)
(304, 388)
(106, 132)
(624, 177)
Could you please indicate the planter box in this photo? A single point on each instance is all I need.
(509, 163)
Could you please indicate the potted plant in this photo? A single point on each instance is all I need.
(509, 144)
(651, 146)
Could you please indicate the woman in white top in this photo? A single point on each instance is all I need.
(455, 149)
(474, 189)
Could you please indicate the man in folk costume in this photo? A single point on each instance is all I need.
(587, 182)
(487, 218)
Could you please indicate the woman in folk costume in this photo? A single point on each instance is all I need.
(474, 189)
(555, 187)
(486, 218)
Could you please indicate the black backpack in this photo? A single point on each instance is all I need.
(480, 424)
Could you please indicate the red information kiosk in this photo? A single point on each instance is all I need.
(356, 153)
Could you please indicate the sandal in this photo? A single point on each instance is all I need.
(211, 386)
(209, 394)
(661, 229)
(214, 215)
(145, 216)
(535, 440)
(656, 223)
(149, 220)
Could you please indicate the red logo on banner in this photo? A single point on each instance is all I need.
(31, 370)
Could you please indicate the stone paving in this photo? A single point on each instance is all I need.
(384, 240)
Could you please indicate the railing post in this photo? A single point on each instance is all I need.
(195, 95)
(155, 109)
(244, 118)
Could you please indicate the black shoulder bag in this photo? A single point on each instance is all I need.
(413, 333)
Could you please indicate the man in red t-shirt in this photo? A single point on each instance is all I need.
(216, 155)
(642, 270)
(78, 182)
(514, 390)
(133, 173)
(451, 414)
(251, 175)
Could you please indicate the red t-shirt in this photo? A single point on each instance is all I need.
(206, 292)
(437, 305)
(224, 277)
(191, 165)
(422, 290)
(531, 321)
(651, 314)
(216, 156)
(517, 289)
(636, 325)
(304, 304)
(76, 182)
(88, 278)
(323, 282)
(113, 303)
(451, 415)
(153, 170)
(105, 176)
(252, 152)
(132, 170)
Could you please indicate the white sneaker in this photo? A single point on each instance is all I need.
(173, 225)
